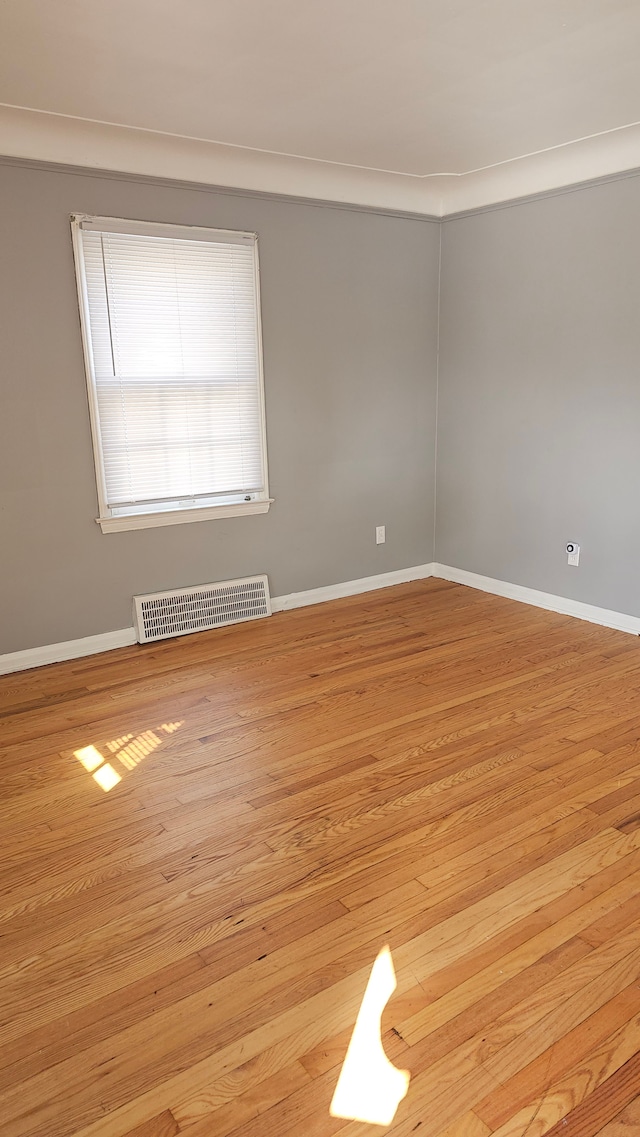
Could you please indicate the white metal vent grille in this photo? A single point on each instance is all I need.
(160, 615)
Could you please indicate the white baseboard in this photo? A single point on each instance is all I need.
(621, 621)
(92, 645)
(71, 649)
(349, 588)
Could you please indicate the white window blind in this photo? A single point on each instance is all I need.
(172, 329)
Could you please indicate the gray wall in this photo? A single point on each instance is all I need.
(539, 394)
(538, 420)
(349, 318)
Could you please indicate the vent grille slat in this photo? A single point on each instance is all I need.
(160, 615)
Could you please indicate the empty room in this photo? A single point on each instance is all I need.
(319, 568)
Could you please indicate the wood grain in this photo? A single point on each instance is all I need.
(428, 767)
(626, 1124)
(611, 1110)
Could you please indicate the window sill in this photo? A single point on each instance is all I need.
(180, 516)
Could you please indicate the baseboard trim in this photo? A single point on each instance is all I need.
(71, 649)
(125, 637)
(93, 645)
(621, 621)
(350, 588)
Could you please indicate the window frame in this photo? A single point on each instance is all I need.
(114, 523)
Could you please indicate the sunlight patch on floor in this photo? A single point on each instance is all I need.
(129, 750)
(107, 777)
(370, 1088)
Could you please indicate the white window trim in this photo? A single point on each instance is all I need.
(112, 523)
(182, 516)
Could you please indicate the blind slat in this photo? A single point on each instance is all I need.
(174, 339)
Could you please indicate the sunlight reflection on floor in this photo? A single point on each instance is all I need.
(370, 1087)
(128, 750)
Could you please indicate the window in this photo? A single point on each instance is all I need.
(171, 328)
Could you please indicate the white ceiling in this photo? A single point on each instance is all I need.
(415, 88)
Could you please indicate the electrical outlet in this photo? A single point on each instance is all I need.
(573, 554)
(380, 535)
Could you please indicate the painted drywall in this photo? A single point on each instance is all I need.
(539, 394)
(349, 305)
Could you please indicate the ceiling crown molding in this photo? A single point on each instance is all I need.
(45, 137)
(585, 160)
(60, 139)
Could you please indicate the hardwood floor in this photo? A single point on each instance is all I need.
(428, 767)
